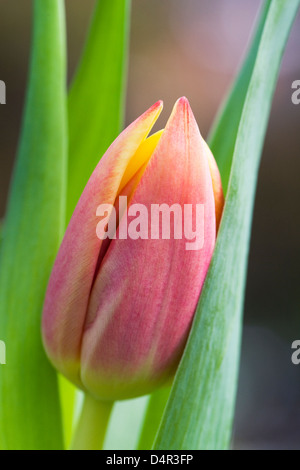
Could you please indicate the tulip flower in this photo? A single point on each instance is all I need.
(118, 311)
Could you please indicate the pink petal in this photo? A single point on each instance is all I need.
(72, 277)
(145, 294)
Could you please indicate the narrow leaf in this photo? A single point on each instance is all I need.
(155, 409)
(223, 135)
(96, 98)
(30, 415)
(222, 140)
(199, 412)
(96, 111)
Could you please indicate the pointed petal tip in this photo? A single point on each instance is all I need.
(159, 103)
(182, 107)
(153, 112)
(183, 103)
(182, 114)
(158, 106)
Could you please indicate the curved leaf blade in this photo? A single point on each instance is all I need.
(95, 112)
(199, 412)
(223, 134)
(97, 94)
(222, 140)
(30, 415)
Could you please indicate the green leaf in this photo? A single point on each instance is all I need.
(97, 94)
(199, 412)
(30, 415)
(221, 140)
(96, 112)
(155, 409)
(223, 134)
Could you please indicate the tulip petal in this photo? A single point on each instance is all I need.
(146, 291)
(141, 157)
(72, 277)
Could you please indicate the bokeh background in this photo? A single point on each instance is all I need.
(194, 48)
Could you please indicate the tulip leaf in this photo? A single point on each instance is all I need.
(96, 105)
(154, 413)
(223, 134)
(221, 140)
(199, 412)
(97, 94)
(95, 112)
(30, 416)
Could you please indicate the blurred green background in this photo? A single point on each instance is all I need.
(193, 48)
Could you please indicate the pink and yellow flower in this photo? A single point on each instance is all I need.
(118, 312)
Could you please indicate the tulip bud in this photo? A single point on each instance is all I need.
(118, 310)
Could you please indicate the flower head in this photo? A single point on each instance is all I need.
(119, 308)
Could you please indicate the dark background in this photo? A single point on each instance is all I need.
(193, 48)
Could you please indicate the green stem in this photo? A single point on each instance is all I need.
(92, 424)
